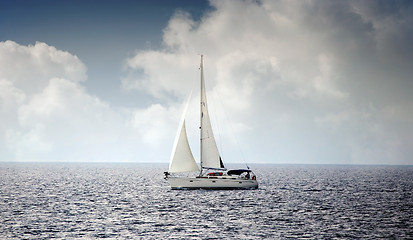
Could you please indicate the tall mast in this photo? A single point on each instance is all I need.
(201, 103)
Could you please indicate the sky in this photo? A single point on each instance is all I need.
(300, 82)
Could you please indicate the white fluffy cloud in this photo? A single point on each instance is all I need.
(29, 68)
(47, 115)
(316, 82)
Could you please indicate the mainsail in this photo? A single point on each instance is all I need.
(182, 159)
(209, 152)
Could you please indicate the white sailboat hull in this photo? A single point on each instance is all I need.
(211, 183)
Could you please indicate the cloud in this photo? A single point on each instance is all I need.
(47, 115)
(29, 68)
(302, 75)
(154, 123)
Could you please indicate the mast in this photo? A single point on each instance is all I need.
(201, 113)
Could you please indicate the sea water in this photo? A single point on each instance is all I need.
(133, 201)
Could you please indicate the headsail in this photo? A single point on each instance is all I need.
(210, 157)
(182, 159)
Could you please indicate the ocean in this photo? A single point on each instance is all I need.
(133, 201)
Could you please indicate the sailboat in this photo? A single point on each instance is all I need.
(212, 172)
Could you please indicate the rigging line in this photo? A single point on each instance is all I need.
(232, 131)
(219, 128)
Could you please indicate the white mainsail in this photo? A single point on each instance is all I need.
(182, 159)
(210, 157)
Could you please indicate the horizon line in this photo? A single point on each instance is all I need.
(296, 164)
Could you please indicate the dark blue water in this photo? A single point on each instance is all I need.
(132, 201)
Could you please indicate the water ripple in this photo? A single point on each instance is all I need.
(130, 201)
